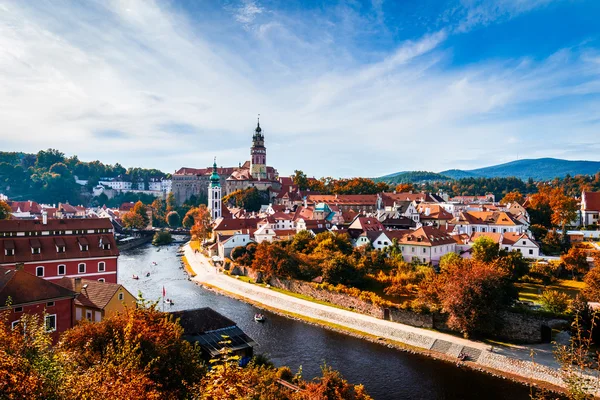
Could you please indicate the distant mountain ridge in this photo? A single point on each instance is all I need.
(539, 169)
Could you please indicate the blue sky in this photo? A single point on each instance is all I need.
(344, 88)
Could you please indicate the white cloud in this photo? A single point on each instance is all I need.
(137, 83)
(246, 13)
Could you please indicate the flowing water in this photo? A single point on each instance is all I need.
(386, 373)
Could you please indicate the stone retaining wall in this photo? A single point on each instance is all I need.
(516, 327)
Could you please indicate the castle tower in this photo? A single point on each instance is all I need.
(214, 193)
(258, 154)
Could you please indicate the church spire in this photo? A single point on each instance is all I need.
(215, 180)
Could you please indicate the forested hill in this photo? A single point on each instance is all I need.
(540, 169)
(48, 176)
(412, 177)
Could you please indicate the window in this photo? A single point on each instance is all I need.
(39, 271)
(50, 304)
(121, 296)
(18, 309)
(62, 269)
(379, 242)
(14, 324)
(60, 249)
(35, 250)
(531, 252)
(101, 266)
(50, 323)
(81, 268)
(9, 252)
(524, 243)
(424, 250)
(105, 246)
(88, 315)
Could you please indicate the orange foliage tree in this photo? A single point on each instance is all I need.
(144, 343)
(404, 187)
(512, 197)
(472, 293)
(202, 227)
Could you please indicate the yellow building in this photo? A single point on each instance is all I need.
(97, 300)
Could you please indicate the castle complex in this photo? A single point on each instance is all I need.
(188, 182)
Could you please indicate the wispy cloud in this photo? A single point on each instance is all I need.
(145, 84)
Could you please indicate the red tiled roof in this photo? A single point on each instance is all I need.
(485, 218)
(23, 288)
(25, 206)
(230, 224)
(95, 294)
(436, 212)
(29, 225)
(67, 208)
(389, 198)
(424, 236)
(344, 199)
(48, 251)
(592, 201)
(366, 224)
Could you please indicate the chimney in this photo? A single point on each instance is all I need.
(44, 217)
(77, 285)
(291, 187)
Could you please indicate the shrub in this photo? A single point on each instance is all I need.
(555, 301)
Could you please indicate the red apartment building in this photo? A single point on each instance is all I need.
(55, 248)
(22, 293)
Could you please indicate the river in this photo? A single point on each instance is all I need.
(386, 373)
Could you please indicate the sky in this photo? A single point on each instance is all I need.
(343, 88)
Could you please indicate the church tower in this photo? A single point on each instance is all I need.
(214, 193)
(258, 155)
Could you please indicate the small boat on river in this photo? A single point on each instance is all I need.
(147, 274)
(259, 318)
(135, 277)
(169, 302)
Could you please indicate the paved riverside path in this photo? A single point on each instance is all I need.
(480, 353)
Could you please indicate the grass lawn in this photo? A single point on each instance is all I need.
(533, 291)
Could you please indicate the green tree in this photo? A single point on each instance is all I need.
(171, 202)
(173, 219)
(162, 237)
(485, 249)
(299, 178)
(46, 158)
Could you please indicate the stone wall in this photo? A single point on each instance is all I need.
(340, 299)
(251, 273)
(515, 327)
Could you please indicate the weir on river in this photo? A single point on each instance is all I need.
(387, 374)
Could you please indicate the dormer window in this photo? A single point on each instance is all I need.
(36, 246)
(9, 252)
(83, 244)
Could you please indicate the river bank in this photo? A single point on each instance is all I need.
(515, 364)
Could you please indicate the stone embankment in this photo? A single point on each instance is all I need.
(481, 356)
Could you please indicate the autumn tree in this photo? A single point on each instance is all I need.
(273, 259)
(564, 210)
(171, 202)
(144, 343)
(202, 228)
(158, 213)
(485, 249)
(27, 366)
(592, 285)
(575, 261)
(473, 294)
(512, 197)
(133, 220)
(404, 187)
(140, 209)
(5, 210)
